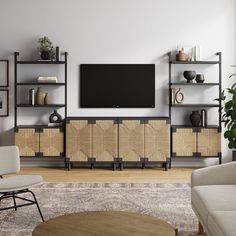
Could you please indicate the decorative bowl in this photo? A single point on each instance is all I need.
(189, 75)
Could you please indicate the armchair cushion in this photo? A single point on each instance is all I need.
(212, 198)
(19, 182)
(222, 223)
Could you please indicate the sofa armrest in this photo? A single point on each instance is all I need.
(215, 175)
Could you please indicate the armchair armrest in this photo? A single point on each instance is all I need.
(215, 175)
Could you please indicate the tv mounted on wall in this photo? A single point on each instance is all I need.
(117, 85)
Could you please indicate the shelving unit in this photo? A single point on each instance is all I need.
(40, 142)
(195, 142)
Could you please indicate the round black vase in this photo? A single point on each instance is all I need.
(45, 55)
(195, 118)
(55, 117)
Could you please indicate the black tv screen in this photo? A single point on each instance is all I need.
(117, 85)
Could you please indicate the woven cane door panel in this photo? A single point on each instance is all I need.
(184, 142)
(157, 140)
(78, 140)
(209, 142)
(131, 140)
(28, 142)
(51, 142)
(105, 140)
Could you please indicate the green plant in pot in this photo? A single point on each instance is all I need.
(228, 114)
(46, 48)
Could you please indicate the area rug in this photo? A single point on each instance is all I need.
(170, 202)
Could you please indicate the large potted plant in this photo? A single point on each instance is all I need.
(46, 48)
(228, 114)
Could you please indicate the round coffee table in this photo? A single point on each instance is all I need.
(106, 223)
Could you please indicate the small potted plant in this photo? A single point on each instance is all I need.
(228, 115)
(46, 48)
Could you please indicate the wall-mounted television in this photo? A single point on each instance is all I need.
(117, 85)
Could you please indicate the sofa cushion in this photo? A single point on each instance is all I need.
(222, 223)
(211, 198)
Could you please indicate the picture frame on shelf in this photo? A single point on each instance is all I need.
(4, 73)
(4, 102)
(198, 53)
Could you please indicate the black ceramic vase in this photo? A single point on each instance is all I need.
(195, 118)
(55, 117)
(189, 75)
(45, 55)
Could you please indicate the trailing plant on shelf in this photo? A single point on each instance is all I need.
(228, 113)
(46, 48)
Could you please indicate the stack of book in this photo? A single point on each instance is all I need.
(47, 79)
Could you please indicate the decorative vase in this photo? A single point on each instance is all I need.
(32, 97)
(39, 97)
(179, 96)
(189, 75)
(181, 56)
(204, 118)
(55, 117)
(45, 55)
(195, 118)
(47, 99)
(199, 78)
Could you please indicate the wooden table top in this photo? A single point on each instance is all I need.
(105, 223)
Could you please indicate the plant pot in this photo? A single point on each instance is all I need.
(45, 55)
(195, 118)
(234, 155)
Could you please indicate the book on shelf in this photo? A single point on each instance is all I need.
(51, 79)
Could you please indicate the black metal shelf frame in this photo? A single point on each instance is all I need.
(17, 106)
(17, 83)
(218, 83)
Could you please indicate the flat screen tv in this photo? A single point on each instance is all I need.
(117, 85)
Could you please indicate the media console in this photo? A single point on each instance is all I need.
(117, 141)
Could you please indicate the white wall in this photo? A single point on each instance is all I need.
(111, 31)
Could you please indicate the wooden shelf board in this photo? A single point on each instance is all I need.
(190, 126)
(194, 84)
(42, 62)
(37, 106)
(38, 84)
(39, 126)
(195, 105)
(194, 62)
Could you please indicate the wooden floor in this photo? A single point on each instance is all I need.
(174, 175)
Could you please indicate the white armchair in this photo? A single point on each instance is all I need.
(213, 199)
(11, 187)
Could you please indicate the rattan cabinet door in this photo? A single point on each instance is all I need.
(184, 142)
(209, 142)
(105, 140)
(157, 140)
(28, 141)
(131, 140)
(78, 140)
(52, 142)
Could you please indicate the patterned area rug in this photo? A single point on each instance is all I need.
(170, 202)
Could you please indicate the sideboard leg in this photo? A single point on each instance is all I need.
(121, 166)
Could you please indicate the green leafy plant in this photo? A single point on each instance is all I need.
(228, 113)
(45, 45)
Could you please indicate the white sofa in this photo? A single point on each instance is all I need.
(213, 198)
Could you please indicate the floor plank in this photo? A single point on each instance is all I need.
(174, 175)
